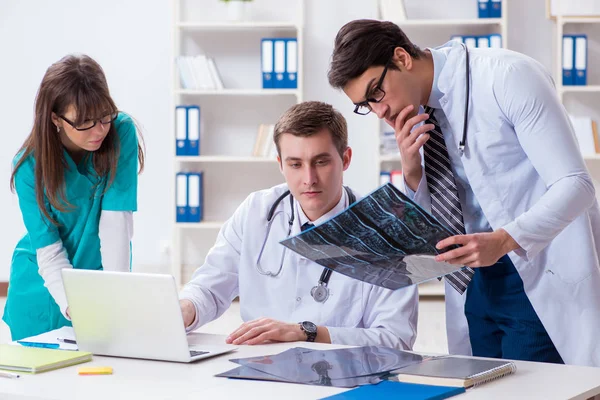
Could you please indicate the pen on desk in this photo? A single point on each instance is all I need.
(37, 344)
(9, 375)
(69, 341)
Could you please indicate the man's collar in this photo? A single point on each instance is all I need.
(439, 60)
(339, 207)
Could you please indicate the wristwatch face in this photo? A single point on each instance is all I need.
(309, 327)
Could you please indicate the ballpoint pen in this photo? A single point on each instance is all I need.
(69, 341)
(38, 344)
(9, 375)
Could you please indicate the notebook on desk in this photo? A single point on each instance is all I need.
(454, 371)
(34, 360)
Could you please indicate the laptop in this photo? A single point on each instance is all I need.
(127, 314)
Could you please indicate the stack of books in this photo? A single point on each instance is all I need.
(198, 73)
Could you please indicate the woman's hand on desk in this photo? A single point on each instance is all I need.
(188, 311)
(266, 330)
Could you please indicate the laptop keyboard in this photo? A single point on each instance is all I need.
(194, 353)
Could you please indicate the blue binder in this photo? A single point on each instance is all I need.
(495, 8)
(193, 131)
(568, 59)
(398, 390)
(495, 40)
(279, 63)
(483, 9)
(581, 56)
(181, 197)
(470, 41)
(267, 54)
(291, 64)
(181, 130)
(194, 198)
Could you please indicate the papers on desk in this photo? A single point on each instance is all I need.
(384, 239)
(340, 367)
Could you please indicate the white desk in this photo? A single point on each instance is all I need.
(140, 379)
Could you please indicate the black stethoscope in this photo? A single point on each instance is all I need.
(320, 292)
(463, 142)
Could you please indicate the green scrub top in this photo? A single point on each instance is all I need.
(30, 309)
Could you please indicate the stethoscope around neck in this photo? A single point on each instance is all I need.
(320, 292)
(463, 142)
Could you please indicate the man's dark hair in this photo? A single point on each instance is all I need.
(364, 43)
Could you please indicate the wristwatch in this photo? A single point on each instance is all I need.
(310, 329)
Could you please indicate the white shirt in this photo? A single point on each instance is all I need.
(115, 231)
(473, 216)
(356, 313)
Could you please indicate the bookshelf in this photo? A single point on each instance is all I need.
(581, 100)
(230, 117)
(420, 32)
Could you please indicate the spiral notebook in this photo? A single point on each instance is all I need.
(454, 371)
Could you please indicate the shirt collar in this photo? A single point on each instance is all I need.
(339, 207)
(439, 60)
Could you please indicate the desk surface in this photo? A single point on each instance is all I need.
(133, 379)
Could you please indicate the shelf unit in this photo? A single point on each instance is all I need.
(562, 21)
(226, 142)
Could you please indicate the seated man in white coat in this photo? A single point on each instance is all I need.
(283, 296)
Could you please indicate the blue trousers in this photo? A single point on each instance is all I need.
(502, 321)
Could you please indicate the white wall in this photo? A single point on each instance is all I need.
(131, 39)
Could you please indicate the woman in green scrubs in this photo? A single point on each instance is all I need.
(76, 180)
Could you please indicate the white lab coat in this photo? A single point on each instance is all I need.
(356, 313)
(525, 169)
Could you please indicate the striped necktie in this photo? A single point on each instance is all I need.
(445, 205)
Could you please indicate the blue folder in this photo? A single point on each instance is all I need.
(399, 390)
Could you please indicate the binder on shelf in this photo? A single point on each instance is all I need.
(392, 10)
(264, 145)
(194, 198)
(396, 178)
(214, 73)
(193, 131)
(483, 42)
(484, 11)
(181, 130)
(181, 197)
(291, 63)
(470, 41)
(495, 8)
(384, 177)
(267, 63)
(495, 40)
(457, 38)
(580, 75)
(279, 63)
(568, 58)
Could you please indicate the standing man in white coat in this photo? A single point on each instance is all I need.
(494, 157)
(283, 296)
